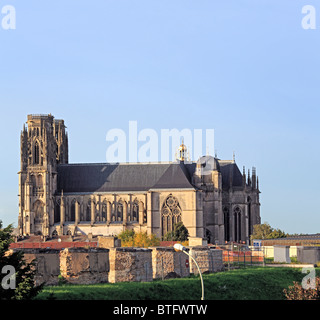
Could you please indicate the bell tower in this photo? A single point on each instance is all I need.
(43, 145)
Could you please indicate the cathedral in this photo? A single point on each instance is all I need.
(213, 199)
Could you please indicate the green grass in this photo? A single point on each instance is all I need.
(243, 284)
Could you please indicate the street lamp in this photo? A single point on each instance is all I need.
(180, 247)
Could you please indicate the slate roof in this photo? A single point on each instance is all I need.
(105, 177)
(230, 169)
(74, 178)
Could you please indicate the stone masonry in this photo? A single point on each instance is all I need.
(99, 265)
(209, 260)
(84, 266)
(166, 262)
(130, 264)
(47, 264)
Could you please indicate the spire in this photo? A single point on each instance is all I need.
(234, 157)
(244, 176)
(254, 177)
(249, 178)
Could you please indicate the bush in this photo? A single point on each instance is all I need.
(296, 292)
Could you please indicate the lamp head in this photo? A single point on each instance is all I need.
(179, 247)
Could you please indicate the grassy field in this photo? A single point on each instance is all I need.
(243, 284)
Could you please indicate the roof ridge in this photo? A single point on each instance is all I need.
(116, 163)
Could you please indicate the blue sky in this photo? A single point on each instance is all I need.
(247, 69)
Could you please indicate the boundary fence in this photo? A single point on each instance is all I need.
(241, 256)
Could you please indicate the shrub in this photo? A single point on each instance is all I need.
(297, 292)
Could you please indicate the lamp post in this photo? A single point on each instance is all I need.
(180, 247)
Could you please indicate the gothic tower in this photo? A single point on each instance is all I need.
(44, 145)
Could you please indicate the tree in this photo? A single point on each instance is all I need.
(179, 233)
(265, 231)
(129, 238)
(20, 285)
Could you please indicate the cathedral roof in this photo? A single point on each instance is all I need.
(123, 177)
(87, 178)
(230, 171)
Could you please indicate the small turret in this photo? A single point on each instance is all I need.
(182, 152)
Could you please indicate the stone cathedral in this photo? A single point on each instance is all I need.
(213, 199)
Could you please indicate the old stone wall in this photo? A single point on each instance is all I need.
(166, 263)
(217, 260)
(47, 264)
(130, 264)
(84, 266)
(209, 260)
(109, 242)
(98, 265)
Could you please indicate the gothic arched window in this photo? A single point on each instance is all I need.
(36, 153)
(88, 212)
(38, 212)
(237, 223)
(135, 211)
(249, 216)
(57, 211)
(104, 211)
(226, 216)
(119, 212)
(170, 214)
(73, 210)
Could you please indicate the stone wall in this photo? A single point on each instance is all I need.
(166, 263)
(47, 264)
(209, 260)
(84, 266)
(98, 265)
(130, 264)
(217, 260)
(109, 242)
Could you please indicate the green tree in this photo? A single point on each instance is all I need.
(265, 231)
(23, 275)
(126, 236)
(179, 233)
(129, 238)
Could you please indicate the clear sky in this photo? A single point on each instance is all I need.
(245, 68)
